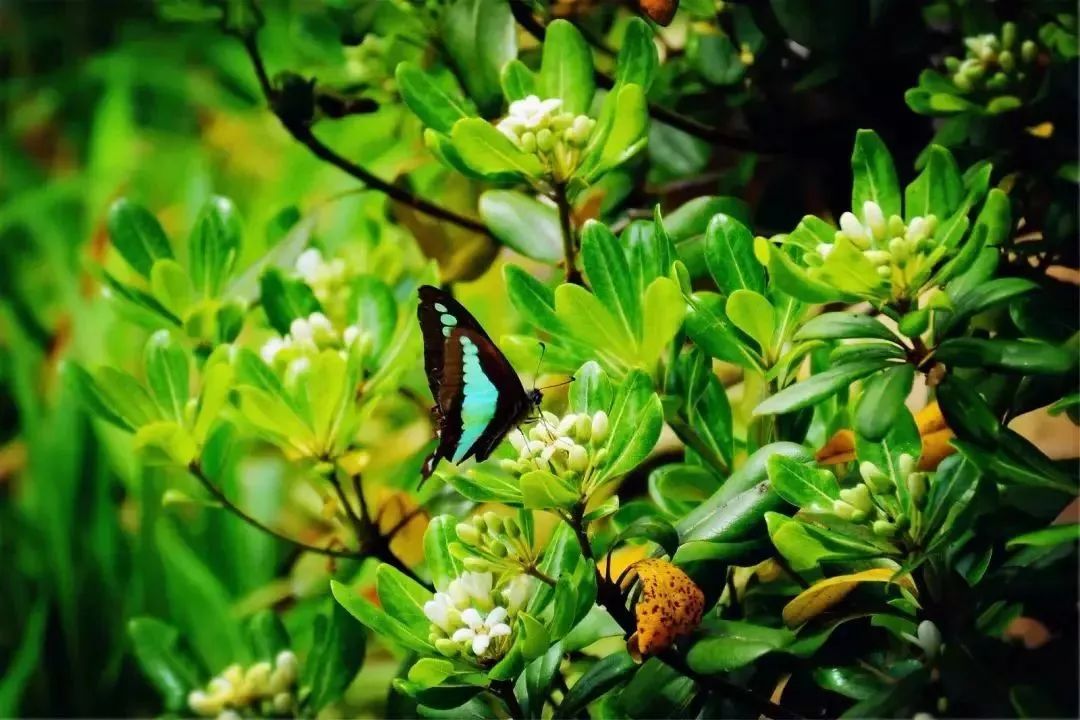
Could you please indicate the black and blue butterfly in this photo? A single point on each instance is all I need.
(478, 395)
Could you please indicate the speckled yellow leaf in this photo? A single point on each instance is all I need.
(670, 606)
(823, 595)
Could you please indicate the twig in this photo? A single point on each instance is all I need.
(540, 575)
(569, 236)
(504, 690)
(195, 469)
(303, 134)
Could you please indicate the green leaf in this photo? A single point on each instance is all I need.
(874, 175)
(801, 485)
(653, 529)
(532, 299)
(882, 397)
(214, 246)
(787, 276)
(430, 672)
(591, 390)
(625, 137)
(637, 418)
(94, 398)
(980, 298)
(637, 60)
(729, 253)
(589, 322)
(938, 188)
(1054, 535)
(566, 69)
(532, 637)
(489, 152)
(518, 81)
(126, 397)
(442, 565)
(165, 660)
(167, 373)
(754, 315)
(735, 645)
(708, 326)
(137, 236)
(480, 36)
(372, 307)
(267, 635)
(656, 690)
(337, 652)
(609, 276)
(845, 325)
(717, 59)
(430, 100)
(404, 597)
(543, 491)
(1026, 357)
(171, 286)
(741, 501)
(602, 676)
(817, 387)
(539, 674)
(665, 309)
(966, 413)
(704, 407)
(378, 620)
(523, 224)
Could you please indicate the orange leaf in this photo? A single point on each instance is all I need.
(670, 606)
(935, 435)
(659, 11)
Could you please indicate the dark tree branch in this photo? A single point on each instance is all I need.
(303, 134)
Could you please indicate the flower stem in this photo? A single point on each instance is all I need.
(540, 575)
(504, 690)
(569, 236)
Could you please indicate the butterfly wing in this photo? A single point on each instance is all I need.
(478, 396)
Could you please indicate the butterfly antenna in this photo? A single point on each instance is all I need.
(536, 373)
(564, 382)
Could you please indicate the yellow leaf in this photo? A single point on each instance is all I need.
(398, 512)
(935, 434)
(1043, 130)
(670, 606)
(823, 595)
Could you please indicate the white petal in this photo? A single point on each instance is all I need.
(851, 226)
(472, 618)
(498, 630)
(480, 644)
(463, 635)
(307, 264)
(495, 616)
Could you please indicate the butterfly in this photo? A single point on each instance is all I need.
(478, 395)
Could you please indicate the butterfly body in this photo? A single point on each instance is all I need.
(478, 396)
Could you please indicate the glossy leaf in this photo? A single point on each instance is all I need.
(874, 175)
(137, 236)
(566, 69)
(817, 387)
(729, 253)
(882, 398)
(480, 37)
(523, 224)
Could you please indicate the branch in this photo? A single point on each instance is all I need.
(196, 469)
(569, 236)
(303, 134)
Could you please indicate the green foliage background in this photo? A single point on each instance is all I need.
(160, 105)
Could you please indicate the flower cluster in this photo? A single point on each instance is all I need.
(492, 543)
(306, 337)
(877, 501)
(474, 616)
(570, 447)
(992, 63)
(328, 279)
(897, 250)
(541, 127)
(263, 690)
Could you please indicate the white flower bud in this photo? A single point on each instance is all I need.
(300, 330)
(308, 263)
(599, 427)
(578, 459)
(282, 703)
(851, 227)
(875, 219)
(257, 677)
(270, 349)
(583, 428)
(905, 464)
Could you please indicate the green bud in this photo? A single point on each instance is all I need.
(917, 486)
(858, 497)
(475, 564)
(961, 82)
(883, 528)
(905, 465)
(914, 323)
(583, 428)
(899, 249)
(1008, 34)
(879, 257)
(479, 524)
(282, 703)
(859, 516)
(1029, 50)
(879, 482)
(511, 527)
(884, 272)
(447, 647)
(499, 549)
(952, 64)
(468, 533)
(903, 522)
(493, 522)
(561, 122)
(545, 140)
(998, 82)
(1007, 61)
(897, 227)
(577, 459)
(973, 70)
(459, 551)
(528, 142)
(843, 510)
